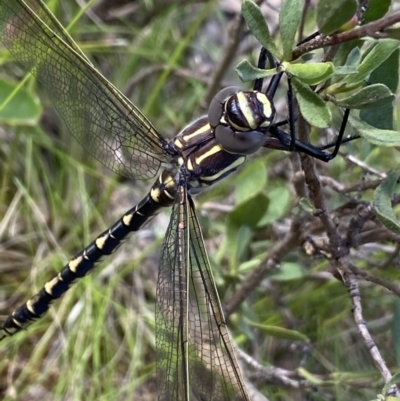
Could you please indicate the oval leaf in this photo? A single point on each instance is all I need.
(312, 107)
(289, 20)
(288, 271)
(279, 203)
(376, 136)
(376, 9)
(382, 202)
(310, 73)
(371, 96)
(255, 21)
(240, 223)
(247, 72)
(387, 73)
(250, 180)
(331, 15)
(249, 212)
(378, 54)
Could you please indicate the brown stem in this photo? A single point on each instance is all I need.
(373, 29)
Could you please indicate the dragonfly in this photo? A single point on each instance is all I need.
(194, 353)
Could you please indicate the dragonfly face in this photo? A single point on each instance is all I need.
(240, 119)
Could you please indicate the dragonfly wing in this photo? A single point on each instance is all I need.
(171, 306)
(42, 11)
(214, 373)
(97, 114)
(195, 357)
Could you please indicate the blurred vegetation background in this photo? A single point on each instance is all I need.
(97, 342)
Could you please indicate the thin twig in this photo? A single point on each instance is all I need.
(353, 288)
(373, 29)
(389, 285)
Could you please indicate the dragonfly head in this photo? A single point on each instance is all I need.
(240, 119)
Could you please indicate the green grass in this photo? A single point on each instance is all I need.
(97, 342)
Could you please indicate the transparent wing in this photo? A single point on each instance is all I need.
(213, 369)
(97, 114)
(195, 357)
(42, 11)
(171, 306)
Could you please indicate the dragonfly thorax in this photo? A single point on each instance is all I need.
(240, 119)
(203, 158)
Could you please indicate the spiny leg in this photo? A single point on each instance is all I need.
(294, 144)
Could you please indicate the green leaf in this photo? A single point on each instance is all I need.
(22, 108)
(350, 65)
(344, 71)
(240, 223)
(354, 57)
(306, 205)
(279, 203)
(247, 72)
(250, 180)
(382, 202)
(376, 9)
(289, 20)
(310, 73)
(378, 54)
(388, 74)
(349, 53)
(347, 59)
(312, 107)
(287, 272)
(256, 23)
(331, 15)
(249, 212)
(393, 380)
(280, 332)
(374, 135)
(369, 97)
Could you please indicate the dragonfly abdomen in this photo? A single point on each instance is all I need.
(161, 195)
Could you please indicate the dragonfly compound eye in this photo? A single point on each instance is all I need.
(250, 110)
(240, 119)
(217, 105)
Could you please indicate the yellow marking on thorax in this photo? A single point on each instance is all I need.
(215, 149)
(181, 161)
(178, 143)
(204, 128)
(189, 165)
(235, 164)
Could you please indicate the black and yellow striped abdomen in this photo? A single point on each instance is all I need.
(202, 162)
(161, 195)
